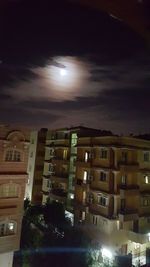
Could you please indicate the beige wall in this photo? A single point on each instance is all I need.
(13, 174)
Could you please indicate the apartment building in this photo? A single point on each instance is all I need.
(112, 194)
(14, 144)
(35, 166)
(59, 166)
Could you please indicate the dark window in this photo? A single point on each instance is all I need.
(103, 176)
(146, 156)
(103, 153)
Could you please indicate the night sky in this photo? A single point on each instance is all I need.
(106, 68)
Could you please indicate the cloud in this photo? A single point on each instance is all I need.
(110, 88)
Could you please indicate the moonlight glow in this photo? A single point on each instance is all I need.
(67, 74)
(63, 72)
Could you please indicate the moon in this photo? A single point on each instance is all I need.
(63, 72)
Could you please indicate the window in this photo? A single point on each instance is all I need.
(146, 156)
(85, 176)
(146, 179)
(103, 176)
(103, 153)
(73, 139)
(31, 154)
(123, 204)
(146, 202)
(90, 198)
(83, 215)
(124, 179)
(7, 228)
(102, 200)
(13, 155)
(51, 168)
(2, 229)
(51, 152)
(65, 152)
(48, 183)
(95, 220)
(9, 190)
(71, 196)
(124, 157)
(86, 156)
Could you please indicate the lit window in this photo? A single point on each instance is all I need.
(124, 179)
(13, 155)
(85, 176)
(103, 153)
(146, 156)
(83, 215)
(74, 139)
(71, 196)
(103, 176)
(11, 226)
(146, 179)
(7, 228)
(86, 156)
(65, 152)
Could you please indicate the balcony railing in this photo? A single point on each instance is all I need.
(128, 211)
(83, 163)
(59, 192)
(81, 182)
(129, 187)
(128, 214)
(128, 166)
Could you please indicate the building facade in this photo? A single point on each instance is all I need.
(14, 145)
(35, 166)
(59, 166)
(112, 194)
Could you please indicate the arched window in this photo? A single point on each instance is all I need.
(13, 155)
(9, 190)
(8, 228)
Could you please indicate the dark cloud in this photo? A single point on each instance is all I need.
(35, 33)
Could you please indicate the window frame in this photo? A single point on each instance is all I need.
(13, 155)
(103, 153)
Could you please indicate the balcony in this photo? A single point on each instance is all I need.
(83, 206)
(83, 163)
(85, 184)
(137, 237)
(60, 177)
(96, 209)
(58, 143)
(62, 160)
(128, 215)
(58, 194)
(127, 190)
(128, 166)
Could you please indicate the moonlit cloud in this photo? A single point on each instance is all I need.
(106, 83)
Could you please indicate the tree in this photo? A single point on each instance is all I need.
(54, 215)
